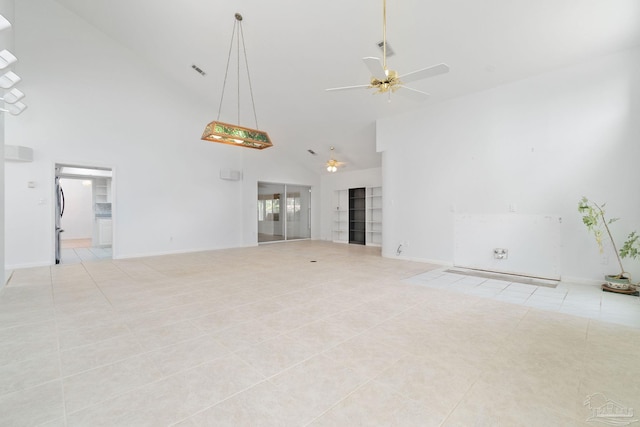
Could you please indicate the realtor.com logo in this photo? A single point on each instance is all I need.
(607, 411)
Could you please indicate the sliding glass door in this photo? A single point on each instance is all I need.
(284, 212)
(270, 222)
(298, 223)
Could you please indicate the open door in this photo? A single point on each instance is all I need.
(83, 214)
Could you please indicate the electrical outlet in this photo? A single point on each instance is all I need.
(500, 253)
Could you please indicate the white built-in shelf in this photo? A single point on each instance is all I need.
(373, 216)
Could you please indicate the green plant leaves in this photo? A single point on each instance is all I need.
(631, 247)
(593, 217)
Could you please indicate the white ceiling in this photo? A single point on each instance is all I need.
(296, 49)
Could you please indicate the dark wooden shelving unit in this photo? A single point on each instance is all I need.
(357, 215)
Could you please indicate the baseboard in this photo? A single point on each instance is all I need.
(421, 260)
(10, 267)
(163, 253)
(7, 276)
(581, 281)
(516, 278)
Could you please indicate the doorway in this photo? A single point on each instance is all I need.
(284, 212)
(83, 214)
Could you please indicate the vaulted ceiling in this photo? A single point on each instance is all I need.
(296, 49)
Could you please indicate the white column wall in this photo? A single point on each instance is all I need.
(6, 42)
(535, 146)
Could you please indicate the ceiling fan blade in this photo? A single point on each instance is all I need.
(424, 73)
(346, 88)
(375, 67)
(414, 94)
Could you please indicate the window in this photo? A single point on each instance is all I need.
(293, 206)
(269, 207)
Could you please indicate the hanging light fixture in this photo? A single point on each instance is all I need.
(13, 96)
(8, 79)
(6, 58)
(4, 23)
(332, 164)
(14, 109)
(226, 133)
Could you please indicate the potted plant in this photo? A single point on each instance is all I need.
(593, 217)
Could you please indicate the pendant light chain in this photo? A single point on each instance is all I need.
(226, 72)
(246, 62)
(238, 64)
(238, 32)
(235, 134)
(384, 34)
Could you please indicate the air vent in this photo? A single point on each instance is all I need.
(389, 50)
(199, 70)
(312, 152)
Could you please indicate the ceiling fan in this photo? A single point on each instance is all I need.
(389, 81)
(332, 164)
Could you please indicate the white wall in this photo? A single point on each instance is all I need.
(270, 165)
(6, 42)
(2, 232)
(78, 218)
(342, 181)
(94, 103)
(538, 145)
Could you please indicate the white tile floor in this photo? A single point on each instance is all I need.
(264, 337)
(76, 251)
(80, 255)
(577, 299)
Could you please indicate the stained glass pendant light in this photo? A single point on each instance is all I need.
(226, 133)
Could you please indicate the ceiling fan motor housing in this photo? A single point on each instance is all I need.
(392, 82)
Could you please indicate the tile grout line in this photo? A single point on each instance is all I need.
(320, 353)
(498, 349)
(200, 364)
(369, 379)
(500, 345)
(59, 350)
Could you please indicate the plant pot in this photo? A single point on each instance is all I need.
(618, 282)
